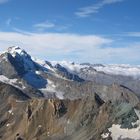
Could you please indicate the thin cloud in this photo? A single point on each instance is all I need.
(54, 40)
(21, 31)
(8, 22)
(50, 25)
(52, 44)
(3, 1)
(44, 25)
(89, 10)
(133, 34)
(71, 47)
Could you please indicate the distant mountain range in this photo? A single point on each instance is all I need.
(42, 100)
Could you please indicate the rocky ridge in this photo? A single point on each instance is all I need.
(43, 100)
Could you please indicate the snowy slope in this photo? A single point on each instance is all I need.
(35, 72)
(13, 82)
(70, 66)
(114, 69)
(19, 53)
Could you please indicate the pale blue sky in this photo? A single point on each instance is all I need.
(95, 31)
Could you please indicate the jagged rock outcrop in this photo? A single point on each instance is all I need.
(44, 101)
(83, 119)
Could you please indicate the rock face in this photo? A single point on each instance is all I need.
(8, 91)
(40, 100)
(15, 62)
(64, 72)
(53, 119)
(126, 75)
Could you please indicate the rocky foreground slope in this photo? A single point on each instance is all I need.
(40, 100)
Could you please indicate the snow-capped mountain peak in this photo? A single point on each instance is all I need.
(16, 62)
(22, 56)
(17, 50)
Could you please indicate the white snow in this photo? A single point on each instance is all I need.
(18, 101)
(12, 82)
(118, 132)
(16, 50)
(38, 72)
(43, 64)
(51, 87)
(70, 66)
(48, 133)
(59, 94)
(104, 136)
(68, 122)
(28, 64)
(10, 111)
(39, 126)
(8, 124)
(115, 69)
(6, 80)
(21, 83)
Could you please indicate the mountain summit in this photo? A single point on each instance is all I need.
(17, 61)
(17, 50)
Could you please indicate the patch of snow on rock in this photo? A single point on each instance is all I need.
(12, 82)
(7, 124)
(70, 66)
(38, 72)
(51, 87)
(120, 133)
(26, 58)
(104, 136)
(10, 111)
(43, 64)
(6, 80)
